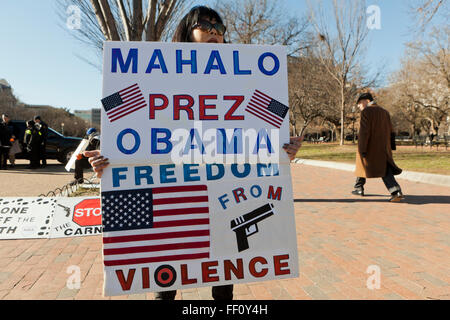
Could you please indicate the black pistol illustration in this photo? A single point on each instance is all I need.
(246, 225)
(66, 209)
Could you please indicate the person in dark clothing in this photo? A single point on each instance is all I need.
(32, 140)
(43, 129)
(5, 144)
(376, 140)
(200, 25)
(14, 134)
(82, 162)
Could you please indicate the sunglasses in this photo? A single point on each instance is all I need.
(207, 26)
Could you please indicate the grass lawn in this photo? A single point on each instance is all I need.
(406, 157)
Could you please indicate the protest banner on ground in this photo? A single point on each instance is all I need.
(77, 216)
(25, 218)
(199, 191)
(58, 217)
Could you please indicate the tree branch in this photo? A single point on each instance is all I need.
(137, 22)
(150, 34)
(110, 21)
(125, 20)
(100, 18)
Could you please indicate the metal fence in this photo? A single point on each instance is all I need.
(68, 189)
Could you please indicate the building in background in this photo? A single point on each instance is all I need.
(7, 99)
(92, 116)
(5, 86)
(38, 107)
(95, 116)
(83, 114)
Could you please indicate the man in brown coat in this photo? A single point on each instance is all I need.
(376, 141)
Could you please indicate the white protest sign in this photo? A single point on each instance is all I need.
(77, 216)
(199, 191)
(172, 102)
(81, 147)
(26, 218)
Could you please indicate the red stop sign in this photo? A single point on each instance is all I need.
(88, 213)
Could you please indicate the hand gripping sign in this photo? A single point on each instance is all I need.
(199, 191)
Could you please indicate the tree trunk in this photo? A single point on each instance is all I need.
(110, 22)
(125, 20)
(302, 132)
(294, 131)
(305, 125)
(137, 22)
(100, 18)
(342, 114)
(163, 18)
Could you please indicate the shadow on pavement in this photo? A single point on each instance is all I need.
(51, 168)
(427, 199)
(413, 199)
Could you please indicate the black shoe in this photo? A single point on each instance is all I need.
(358, 192)
(397, 197)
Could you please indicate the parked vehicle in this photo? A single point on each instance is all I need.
(59, 147)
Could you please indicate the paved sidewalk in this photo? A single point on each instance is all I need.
(437, 179)
(22, 182)
(339, 237)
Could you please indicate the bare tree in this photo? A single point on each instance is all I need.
(73, 126)
(341, 47)
(424, 11)
(405, 114)
(431, 90)
(422, 95)
(262, 22)
(435, 52)
(7, 100)
(124, 20)
(309, 89)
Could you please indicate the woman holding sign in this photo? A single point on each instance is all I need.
(202, 25)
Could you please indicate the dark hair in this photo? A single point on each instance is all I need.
(37, 118)
(183, 31)
(365, 95)
(30, 123)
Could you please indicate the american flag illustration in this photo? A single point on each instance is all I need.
(267, 109)
(155, 225)
(123, 102)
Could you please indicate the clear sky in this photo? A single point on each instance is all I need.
(38, 55)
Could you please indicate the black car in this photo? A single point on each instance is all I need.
(59, 147)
